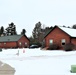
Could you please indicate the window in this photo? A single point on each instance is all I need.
(4, 43)
(0, 43)
(25, 43)
(63, 41)
(20, 43)
(51, 41)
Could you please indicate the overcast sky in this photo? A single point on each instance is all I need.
(26, 13)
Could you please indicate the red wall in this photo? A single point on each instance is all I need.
(23, 40)
(73, 40)
(56, 35)
(8, 45)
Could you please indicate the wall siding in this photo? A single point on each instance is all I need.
(73, 40)
(57, 35)
(8, 45)
(23, 40)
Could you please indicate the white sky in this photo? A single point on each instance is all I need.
(26, 13)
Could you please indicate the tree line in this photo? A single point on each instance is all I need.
(10, 30)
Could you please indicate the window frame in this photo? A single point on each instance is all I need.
(63, 42)
(25, 43)
(51, 41)
(20, 43)
(4, 43)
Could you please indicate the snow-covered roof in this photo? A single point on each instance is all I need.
(70, 31)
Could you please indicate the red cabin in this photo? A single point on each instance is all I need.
(60, 36)
(14, 41)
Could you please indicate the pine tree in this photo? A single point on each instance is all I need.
(11, 30)
(23, 32)
(36, 31)
(2, 31)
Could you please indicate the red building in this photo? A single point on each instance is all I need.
(60, 36)
(14, 41)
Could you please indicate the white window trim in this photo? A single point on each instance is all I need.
(25, 43)
(20, 43)
(63, 41)
(5, 43)
(51, 41)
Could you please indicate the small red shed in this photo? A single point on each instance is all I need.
(60, 36)
(14, 41)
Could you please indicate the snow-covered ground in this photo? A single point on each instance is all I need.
(39, 62)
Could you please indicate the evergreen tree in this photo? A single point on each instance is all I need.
(31, 40)
(36, 31)
(23, 31)
(74, 26)
(11, 30)
(2, 31)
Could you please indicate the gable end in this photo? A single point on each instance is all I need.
(58, 28)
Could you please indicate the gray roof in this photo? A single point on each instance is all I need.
(10, 38)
